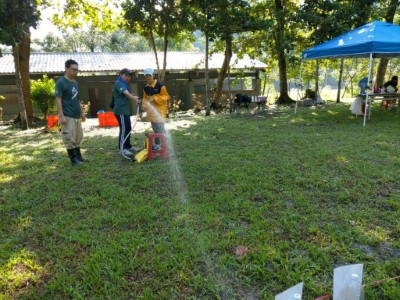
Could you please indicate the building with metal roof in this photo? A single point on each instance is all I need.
(98, 72)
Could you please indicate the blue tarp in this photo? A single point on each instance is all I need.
(379, 38)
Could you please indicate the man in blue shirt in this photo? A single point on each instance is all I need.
(122, 110)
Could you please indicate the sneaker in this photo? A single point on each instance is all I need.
(134, 149)
(156, 147)
(126, 152)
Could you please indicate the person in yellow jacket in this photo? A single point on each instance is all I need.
(155, 101)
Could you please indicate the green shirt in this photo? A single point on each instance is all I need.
(68, 91)
(122, 103)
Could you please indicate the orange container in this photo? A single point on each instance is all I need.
(111, 119)
(52, 120)
(102, 119)
(107, 119)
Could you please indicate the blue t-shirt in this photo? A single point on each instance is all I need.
(122, 103)
(68, 91)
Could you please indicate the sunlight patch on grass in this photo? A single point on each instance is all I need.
(297, 120)
(6, 178)
(20, 272)
(331, 112)
(319, 239)
(26, 158)
(35, 144)
(28, 132)
(340, 159)
(23, 223)
(182, 218)
(378, 233)
(180, 124)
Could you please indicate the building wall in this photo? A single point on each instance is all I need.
(97, 89)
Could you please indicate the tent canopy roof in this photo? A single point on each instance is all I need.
(378, 38)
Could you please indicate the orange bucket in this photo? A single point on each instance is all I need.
(107, 119)
(111, 119)
(52, 120)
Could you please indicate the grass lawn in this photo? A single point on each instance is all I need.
(302, 194)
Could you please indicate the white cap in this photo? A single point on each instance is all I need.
(148, 71)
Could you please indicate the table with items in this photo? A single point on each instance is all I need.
(388, 100)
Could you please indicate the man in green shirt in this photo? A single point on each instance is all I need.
(70, 113)
(122, 111)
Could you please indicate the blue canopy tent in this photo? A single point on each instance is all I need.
(374, 40)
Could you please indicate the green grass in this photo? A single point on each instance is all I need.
(306, 193)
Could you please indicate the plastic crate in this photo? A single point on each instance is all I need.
(107, 119)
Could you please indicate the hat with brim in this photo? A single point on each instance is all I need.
(148, 71)
(126, 71)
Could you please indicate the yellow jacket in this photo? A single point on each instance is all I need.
(159, 93)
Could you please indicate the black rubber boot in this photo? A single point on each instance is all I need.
(72, 155)
(79, 155)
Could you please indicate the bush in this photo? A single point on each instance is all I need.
(42, 93)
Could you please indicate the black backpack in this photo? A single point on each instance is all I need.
(112, 104)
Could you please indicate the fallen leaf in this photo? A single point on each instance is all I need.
(241, 250)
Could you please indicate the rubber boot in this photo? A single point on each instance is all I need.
(79, 155)
(72, 156)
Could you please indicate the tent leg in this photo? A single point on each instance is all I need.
(298, 95)
(367, 109)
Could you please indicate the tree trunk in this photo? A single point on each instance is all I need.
(163, 72)
(20, 93)
(316, 77)
(207, 78)
(280, 51)
(23, 55)
(340, 80)
(224, 69)
(153, 43)
(380, 73)
(284, 96)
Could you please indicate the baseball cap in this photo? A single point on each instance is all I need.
(148, 71)
(126, 71)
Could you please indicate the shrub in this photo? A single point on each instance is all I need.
(173, 106)
(42, 93)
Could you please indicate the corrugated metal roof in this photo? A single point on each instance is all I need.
(52, 62)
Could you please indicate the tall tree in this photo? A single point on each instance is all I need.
(325, 20)
(52, 43)
(166, 19)
(389, 17)
(275, 44)
(90, 21)
(16, 17)
(220, 20)
(200, 15)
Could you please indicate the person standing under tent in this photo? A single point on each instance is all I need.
(363, 84)
(155, 100)
(122, 111)
(70, 112)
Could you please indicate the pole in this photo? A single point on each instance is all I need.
(297, 98)
(367, 99)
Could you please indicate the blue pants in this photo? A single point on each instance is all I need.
(125, 127)
(158, 127)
